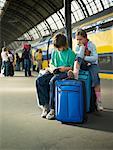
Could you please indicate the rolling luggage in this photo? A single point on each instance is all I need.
(85, 76)
(70, 101)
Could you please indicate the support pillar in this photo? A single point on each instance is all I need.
(67, 7)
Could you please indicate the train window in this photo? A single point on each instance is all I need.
(106, 62)
(74, 35)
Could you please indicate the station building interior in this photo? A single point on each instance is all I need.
(35, 23)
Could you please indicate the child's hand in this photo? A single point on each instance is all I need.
(62, 69)
(73, 74)
(49, 70)
(82, 47)
(87, 52)
(70, 74)
(80, 44)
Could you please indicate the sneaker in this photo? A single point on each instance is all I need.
(51, 114)
(99, 106)
(44, 112)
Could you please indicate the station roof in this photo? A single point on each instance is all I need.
(19, 16)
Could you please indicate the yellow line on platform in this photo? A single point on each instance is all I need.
(106, 76)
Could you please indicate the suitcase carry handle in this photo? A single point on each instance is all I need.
(69, 79)
(64, 88)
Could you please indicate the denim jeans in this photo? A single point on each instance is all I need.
(45, 86)
(17, 68)
(7, 68)
(27, 67)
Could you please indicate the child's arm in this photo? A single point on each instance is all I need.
(76, 69)
(80, 50)
(75, 72)
(91, 58)
(94, 56)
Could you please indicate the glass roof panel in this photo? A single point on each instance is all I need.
(111, 2)
(2, 2)
(73, 20)
(61, 15)
(107, 3)
(42, 28)
(99, 6)
(85, 1)
(26, 35)
(33, 33)
(62, 11)
(56, 23)
(50, 20)
(77, 12)
(94, 7)
(59, 24)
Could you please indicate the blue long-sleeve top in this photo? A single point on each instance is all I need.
(93, 58)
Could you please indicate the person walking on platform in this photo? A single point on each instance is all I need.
(62, 60)
(27, 58)
(11, 60)
(5, 62)
(38, 58)
(87, 59)
(18, 60)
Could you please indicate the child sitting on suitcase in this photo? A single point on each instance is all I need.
(87, 61)
(62, 60)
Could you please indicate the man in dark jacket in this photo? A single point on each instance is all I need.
(27, 57)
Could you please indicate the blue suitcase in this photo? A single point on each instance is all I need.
(85, 76)
(70, 101)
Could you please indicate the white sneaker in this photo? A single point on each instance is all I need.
(99, 106)
(51, 115)
(44, 112)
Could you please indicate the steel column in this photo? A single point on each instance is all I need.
(67, 7)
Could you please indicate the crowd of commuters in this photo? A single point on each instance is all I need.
(11, 61)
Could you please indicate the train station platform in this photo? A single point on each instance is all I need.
(22, 128)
